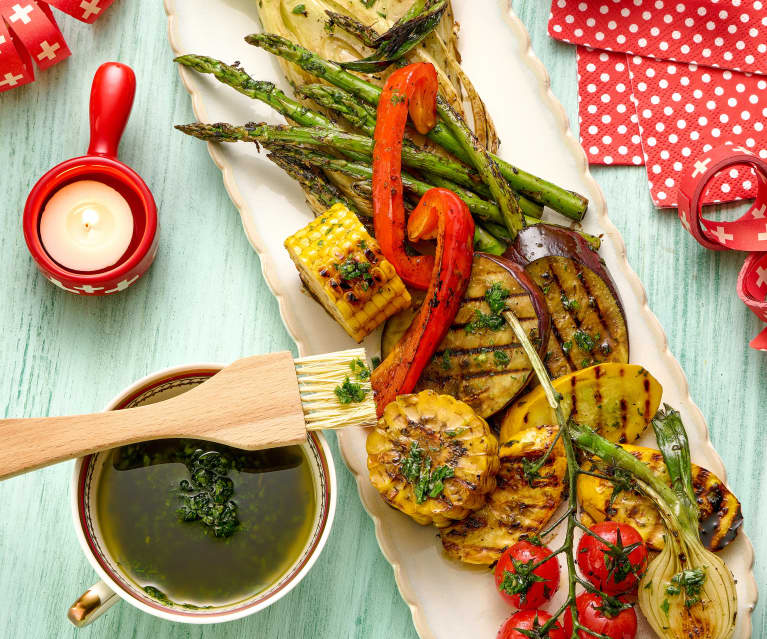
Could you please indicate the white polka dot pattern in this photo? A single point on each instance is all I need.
(608, 121)
(730, 34)
(684, 111)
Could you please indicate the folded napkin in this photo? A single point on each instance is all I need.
(645, 96)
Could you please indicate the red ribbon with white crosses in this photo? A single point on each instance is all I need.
(29, 34)
(748, 233)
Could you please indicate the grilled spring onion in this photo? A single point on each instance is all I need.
(687, 590)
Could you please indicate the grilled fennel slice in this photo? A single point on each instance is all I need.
(307, 26)
(720, 513)
(486, 367)
(432, 457)
(515, 507)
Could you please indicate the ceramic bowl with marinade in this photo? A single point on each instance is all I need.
(194, 531)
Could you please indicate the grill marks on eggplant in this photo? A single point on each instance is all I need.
(485, 368)
(584, 311)
(514, 508)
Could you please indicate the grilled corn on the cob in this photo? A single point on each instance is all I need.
(343, 267)
(432, 457)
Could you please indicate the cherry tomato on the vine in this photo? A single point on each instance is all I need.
(609, 617)
(520, 584)
(529, 620)
(612, 570)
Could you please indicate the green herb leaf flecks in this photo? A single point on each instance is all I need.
(665, 606)
(360, 369)
(568, 304)
(368, 3)
(496, 297)
(501, 358)
(567, 347)
(206, 495)
(299, 8)
(519, 581)
(585, 341)
(416, 468)
(351, 269)
(691, 581)
(445, 365)
(455, 433)
(483, 321)
(350, 392)
(375, 361)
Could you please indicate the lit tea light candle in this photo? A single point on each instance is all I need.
(86, 226)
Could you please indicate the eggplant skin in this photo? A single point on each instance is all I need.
(514, 508)
(720, 513)
(582, 298)
(488, 368)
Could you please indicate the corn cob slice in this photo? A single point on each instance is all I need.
(343, 267)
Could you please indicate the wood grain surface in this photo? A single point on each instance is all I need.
(253, 403)
(205, 300)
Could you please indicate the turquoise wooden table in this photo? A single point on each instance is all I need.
(205, 300)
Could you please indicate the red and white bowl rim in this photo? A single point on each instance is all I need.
(81, 485)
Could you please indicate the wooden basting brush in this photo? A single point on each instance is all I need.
(257, 402)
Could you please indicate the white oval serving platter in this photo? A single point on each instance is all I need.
(446, 599)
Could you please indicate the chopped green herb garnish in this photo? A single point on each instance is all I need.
(351, 269)
(456, 432)
(206, 495)
(445, 365)
(665, 606)
(300, 8)
(368, 3)
(568, 304)
(483, 321)
(397, 98)
(519, 581)
(496, 297)
(360, 369)
(567, 347)
(691, 581)
(501, 358)
(416, 468)
(585, 341)
(350, 392)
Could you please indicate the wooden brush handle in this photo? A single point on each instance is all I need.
(253, 403)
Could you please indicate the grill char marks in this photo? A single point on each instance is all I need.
(484, 367)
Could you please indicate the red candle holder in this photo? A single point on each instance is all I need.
(112, 92)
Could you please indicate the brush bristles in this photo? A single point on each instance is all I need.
(319, 376)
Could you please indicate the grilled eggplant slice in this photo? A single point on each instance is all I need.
(432, 457)
(479, 361)
(515, 508)
(616, 400)
(720, 513)
(588, 322)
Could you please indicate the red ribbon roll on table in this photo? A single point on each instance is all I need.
(29, 33)
(748, 233)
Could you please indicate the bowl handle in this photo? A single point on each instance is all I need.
(93, 603)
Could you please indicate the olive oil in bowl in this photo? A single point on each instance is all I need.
(200, 525)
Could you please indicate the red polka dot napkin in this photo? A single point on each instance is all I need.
(657, 111)
(29, 34)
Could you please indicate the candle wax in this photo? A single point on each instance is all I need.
(86, 226)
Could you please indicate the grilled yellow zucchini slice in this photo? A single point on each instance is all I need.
(616, 400)
(720, 513)
(514, 508)
(432, 457)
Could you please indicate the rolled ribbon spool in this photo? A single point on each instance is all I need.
(748, 233)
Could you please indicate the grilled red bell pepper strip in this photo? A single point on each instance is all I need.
(440, 214)
(412, 88)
